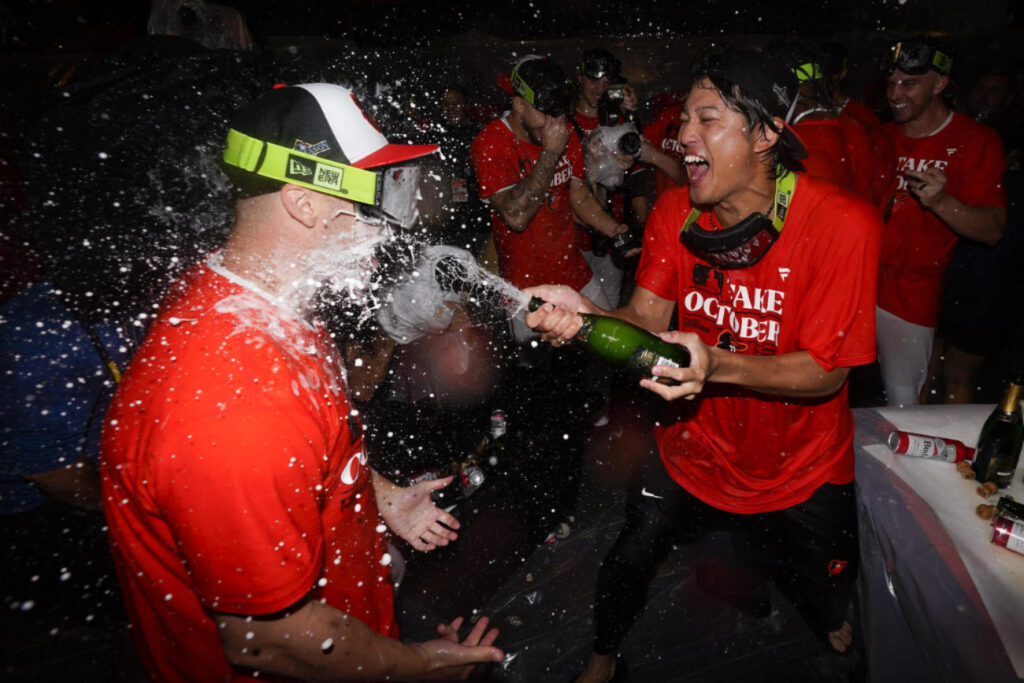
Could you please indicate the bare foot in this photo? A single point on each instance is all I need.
(600, 668)
(841, 638)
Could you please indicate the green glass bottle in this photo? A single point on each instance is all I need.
(626, 345)
(1001, 439)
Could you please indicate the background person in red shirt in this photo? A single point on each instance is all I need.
(247, 527)
(949, 185)
(774, 324)
(530, 169)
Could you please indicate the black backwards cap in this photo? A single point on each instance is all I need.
(917, 56)
(542, 83)
(315, 135)
(773, 84)
(599, 63)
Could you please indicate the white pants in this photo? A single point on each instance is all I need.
(904, 350)
(608, 274)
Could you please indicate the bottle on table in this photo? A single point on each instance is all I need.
(624, 344)
(1001, 438)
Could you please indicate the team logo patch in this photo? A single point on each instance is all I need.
(727, 341)
(836, 567)
(314, 149)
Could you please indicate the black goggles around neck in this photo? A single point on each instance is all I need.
(745, 243)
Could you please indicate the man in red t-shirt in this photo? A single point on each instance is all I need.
(949, 185)
(773, 321)
(247, 528)
(530, 169)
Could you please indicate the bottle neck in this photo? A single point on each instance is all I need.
(1011, 399)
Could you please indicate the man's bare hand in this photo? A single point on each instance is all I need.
(692, 379)
(629, 98)
(929, 186)
(557, 319)
(448, 659)
(409, 512)
(554, 136)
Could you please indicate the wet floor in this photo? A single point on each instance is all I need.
(543, 596)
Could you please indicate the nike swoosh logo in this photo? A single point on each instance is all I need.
(648, 494)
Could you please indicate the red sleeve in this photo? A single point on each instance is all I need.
(863, 162)
(494, 160)
(574, 152)
(837, 322)
(655, 131)
(658, 269)
(244, 507)
(982, 181)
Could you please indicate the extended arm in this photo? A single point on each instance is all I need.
(670, 166)
(410, 513)
(318, 642)
(518, 204)
(794, 374)
(589, 211)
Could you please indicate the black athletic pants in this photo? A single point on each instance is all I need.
(812, 545)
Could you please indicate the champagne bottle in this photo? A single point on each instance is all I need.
(624, 344)
(1001, 439)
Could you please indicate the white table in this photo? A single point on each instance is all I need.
(939, 601)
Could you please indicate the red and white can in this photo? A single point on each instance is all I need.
(929, 447)
(1008, 533)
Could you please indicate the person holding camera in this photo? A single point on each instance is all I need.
(606, 101)
(530, 170)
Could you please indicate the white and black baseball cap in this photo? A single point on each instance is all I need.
(316, 135)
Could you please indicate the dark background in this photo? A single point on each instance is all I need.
(41, 25)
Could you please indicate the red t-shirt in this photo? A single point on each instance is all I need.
(871, 158)
(549, 250)
(860, 112)
(663, 132)
(586, 123)
(827, 155)
(234, 478)
(737, 449)
(917, 246)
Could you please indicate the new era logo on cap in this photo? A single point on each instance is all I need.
(308, 171)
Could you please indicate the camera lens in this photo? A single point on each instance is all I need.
(629, 143)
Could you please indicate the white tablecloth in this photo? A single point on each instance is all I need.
(993, 574)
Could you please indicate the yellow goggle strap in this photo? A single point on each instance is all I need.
(290, 166)
(784, 189)
(521, 88)
(808, 72)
